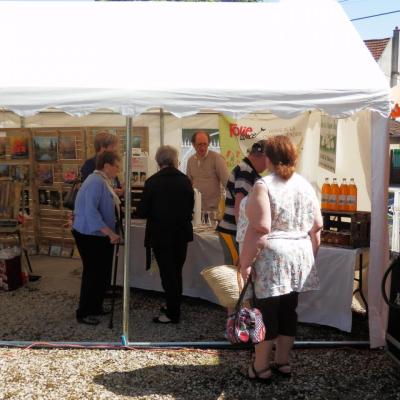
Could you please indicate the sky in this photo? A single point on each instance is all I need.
(376, 27)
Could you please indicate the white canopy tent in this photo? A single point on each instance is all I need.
(285, 57)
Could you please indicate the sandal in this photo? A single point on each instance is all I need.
(282, 369)
(256, 375)
(163, 319)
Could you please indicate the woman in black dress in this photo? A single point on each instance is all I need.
(167, 203)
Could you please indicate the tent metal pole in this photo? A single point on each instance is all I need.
(162, 127)
(222, 345)
(127, 230)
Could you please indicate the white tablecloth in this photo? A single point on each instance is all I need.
(331, 305)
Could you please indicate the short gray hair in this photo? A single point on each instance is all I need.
(167, 156)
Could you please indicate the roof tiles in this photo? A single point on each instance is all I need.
(376, 47)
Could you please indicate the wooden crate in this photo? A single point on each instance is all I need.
(346, 229)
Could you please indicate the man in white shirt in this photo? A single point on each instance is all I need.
(208, 171)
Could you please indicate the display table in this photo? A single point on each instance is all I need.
(331, 305)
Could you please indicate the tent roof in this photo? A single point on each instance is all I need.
(284, 57)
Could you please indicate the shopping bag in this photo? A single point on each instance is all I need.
(69, 199)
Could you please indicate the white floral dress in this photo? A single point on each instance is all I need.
(287, 262)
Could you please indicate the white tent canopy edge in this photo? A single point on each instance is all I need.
(284, 57)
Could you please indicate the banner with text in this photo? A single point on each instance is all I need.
(237, 136)
(327, 143)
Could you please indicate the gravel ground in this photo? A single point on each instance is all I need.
(39, 315)
(44, 311)
(203, 375)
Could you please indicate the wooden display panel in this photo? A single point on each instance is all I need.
(16, 163)
(51, 157)
(58, 155)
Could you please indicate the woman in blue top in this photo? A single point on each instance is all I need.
(95, 233)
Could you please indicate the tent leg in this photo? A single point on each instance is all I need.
(127, 229)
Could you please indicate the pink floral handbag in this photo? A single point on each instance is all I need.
(245, 324)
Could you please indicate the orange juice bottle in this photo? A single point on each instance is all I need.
(352, 196)
(325, 193)
(343, 193)
(334, 196)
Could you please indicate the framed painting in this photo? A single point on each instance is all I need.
(19, 147)
(46, 148)
(67, 148)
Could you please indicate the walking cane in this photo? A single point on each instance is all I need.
(114, 284)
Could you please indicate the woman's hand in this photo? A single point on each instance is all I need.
(245, 272)
(114, 238)
(119, 191)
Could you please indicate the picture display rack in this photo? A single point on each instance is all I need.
(52, 158)
(16, 164)
(58, 155)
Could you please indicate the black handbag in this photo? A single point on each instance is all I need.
(69, 199)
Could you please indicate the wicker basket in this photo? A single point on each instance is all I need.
(225, 282)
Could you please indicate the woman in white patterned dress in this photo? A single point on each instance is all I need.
(284, 223)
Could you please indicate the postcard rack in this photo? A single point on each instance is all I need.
(45, 161)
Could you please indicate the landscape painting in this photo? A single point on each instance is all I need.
(4, 171)
(45, 174)
(20, 173)
(67, 148)
(45, 148)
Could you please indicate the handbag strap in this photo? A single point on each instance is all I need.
(246, 285)
(242, 294)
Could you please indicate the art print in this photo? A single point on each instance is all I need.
(4, 171)
(67, 251)
(67, 148)
(24, 202)
(45, 148)
(55, 199)
(32, 249)
(70, 173)
(44, 197)
(19, 147)
(44, 249)
(55, 251)
(45, 174)
(3, 146)
(20, 173)
(135, 178)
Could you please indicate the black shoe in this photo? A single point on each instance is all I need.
(109, 294)
(163, 310)
(88, 320)
(103, 311)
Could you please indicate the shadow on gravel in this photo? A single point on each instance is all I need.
(318, 375)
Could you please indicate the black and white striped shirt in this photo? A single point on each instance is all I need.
(241, 180)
